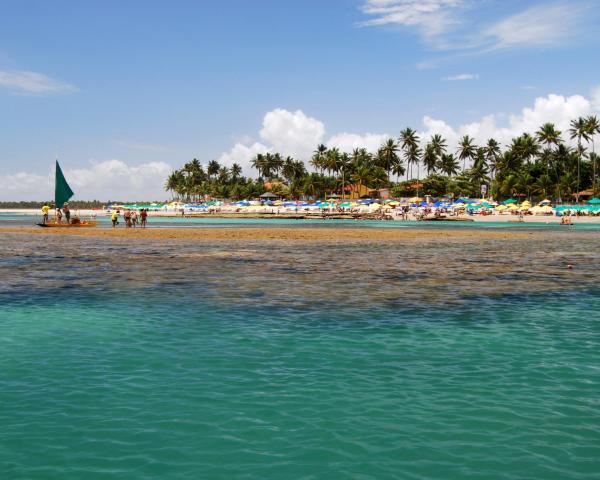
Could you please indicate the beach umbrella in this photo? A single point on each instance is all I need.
(415, 199)
(375, 206)
(594, 201)
(501, 207)
(510, 200)
(394, 203)
(545, 202)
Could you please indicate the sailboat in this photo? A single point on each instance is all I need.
(62, 193)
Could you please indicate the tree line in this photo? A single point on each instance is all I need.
(538, 164)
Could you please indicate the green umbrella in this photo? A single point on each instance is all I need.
(511, 200)
(594, 201)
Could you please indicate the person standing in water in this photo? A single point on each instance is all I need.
(115, 218)
(67, 212)
(143, 217)
(45, 211)
(58, 216)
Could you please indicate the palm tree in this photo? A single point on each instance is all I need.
(466, 149)
(388, 155)
(409, 140)
(332, 160)
(236, 171)
(412, 156)
(492, 155)
(318, 158)
(430, 158)
(579, 129)
(259, 162)
(344, 166)
(593, 127)
(439, 144)
(449, 164)
(212, 168)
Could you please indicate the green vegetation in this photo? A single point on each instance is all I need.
(538, 164)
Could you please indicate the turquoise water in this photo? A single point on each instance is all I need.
(424, 359)
(12, 219)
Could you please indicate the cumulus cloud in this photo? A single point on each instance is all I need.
(292, 133)
(33, 83)
(347, 142)
(289, 133)
(111, 179)
(556, 109)
(242, 155)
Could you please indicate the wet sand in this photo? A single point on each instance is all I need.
(300, 233)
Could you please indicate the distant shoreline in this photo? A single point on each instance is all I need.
(502, 218)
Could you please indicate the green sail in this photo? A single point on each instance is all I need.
(62, 191)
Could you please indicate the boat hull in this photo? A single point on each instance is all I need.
(67, 225)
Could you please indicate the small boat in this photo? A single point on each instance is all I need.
(82, 223)
(62, 193)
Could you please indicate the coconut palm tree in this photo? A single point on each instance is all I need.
(236, 171)
(388, 155)
(593, 127)
(579, 130)
(492, 155)
(430, 158)
(466, 149)
(448, 164)
(439, 144)
(212, 168)
(409, 141)
(344, 166)
(259, 162)
(319, 157)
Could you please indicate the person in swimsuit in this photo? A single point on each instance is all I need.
(67, 212)
(115, 218)
(143, 216)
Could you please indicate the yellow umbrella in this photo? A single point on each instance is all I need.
(513, 206)
(501, 207)
(375, 206)
(415, 199)
(387, 206)
(394, 203)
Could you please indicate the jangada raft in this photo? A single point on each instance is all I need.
(62, 193)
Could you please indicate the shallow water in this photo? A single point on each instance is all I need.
(459, 358)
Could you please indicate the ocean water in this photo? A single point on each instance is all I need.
(445, 358)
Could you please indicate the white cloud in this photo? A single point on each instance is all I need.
(454, 24)
(461, 77)
(541, 25)
(556, 109)
(34, 83)
(347, 142)
(289, 133)
(111, 179)
(242, 155)
(431, 17)
(292, 133)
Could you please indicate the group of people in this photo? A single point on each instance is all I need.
(65, 211)
(131, 218)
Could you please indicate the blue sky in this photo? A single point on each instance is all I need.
(123, 91)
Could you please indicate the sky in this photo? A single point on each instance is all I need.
(123, 92)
